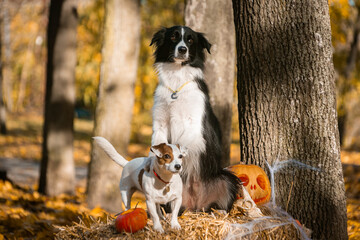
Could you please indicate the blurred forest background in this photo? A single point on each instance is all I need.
(23, 47)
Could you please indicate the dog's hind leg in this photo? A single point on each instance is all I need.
(159, 212)
(126, 197)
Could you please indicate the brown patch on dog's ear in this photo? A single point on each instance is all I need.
(157, 149)
(163, 152)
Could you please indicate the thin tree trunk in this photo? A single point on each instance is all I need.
(115, 101)
(3, 129)
(57, 165)
(24, 77)
(7, 74)
(287, 107)
(354, 48)
(351, 130)
(215, 19)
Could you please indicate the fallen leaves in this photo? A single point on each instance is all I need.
(27, 214)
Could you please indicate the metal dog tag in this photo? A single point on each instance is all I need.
(174, 96)
(166, 190)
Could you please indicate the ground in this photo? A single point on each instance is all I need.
(25, 213)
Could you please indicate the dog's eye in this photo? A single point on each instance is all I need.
(180, 156)
(167, 156)
(190, 41)
(173, 37)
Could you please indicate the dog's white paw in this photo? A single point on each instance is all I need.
(175, 225)
(158, 228)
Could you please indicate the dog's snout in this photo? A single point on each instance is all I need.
(177, 166)
(182, 49)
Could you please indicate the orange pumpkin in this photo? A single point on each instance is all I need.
(255, 181)
(131, 220)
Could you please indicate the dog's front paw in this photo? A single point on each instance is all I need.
(175, 225)
(158, 228)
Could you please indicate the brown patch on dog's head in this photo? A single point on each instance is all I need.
(163, 152)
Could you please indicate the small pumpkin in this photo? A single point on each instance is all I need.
(255, 181)
(131, 220)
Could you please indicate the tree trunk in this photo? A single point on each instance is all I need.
(25, 70)
(3, 129)
(215, 19)
(7, 72)
(57, 165)
(351, 130)
(354, 48)
(287, 107)
(115, 101)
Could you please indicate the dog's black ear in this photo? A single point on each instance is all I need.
(158, 37)
(204, 42)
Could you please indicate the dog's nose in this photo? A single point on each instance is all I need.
(182, 49)
(177, 166)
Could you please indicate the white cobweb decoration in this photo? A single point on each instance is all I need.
(278, 217)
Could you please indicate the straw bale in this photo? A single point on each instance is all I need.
(195, 225)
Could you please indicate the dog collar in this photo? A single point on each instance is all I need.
(160, 177)
(173, 95)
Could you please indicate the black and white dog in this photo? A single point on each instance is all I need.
(182, 114)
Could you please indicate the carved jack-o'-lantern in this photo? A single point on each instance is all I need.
(255, 181)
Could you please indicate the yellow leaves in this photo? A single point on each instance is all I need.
(353, 211)
(342, 6)
(341, 16)
(25, 213)
(24, 138)
(98, 212)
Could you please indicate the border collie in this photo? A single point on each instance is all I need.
(182, 115)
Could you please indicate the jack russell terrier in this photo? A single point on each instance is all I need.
(156, 176)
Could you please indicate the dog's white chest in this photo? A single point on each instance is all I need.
(181, 116)
(164, 194)
(161, 197)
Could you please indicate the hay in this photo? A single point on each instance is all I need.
(200, 225)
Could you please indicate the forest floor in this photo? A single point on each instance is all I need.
(24, 213)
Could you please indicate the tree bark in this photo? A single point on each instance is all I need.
(215, 19)
(115, 101)
(57, 174)
(3, 129)
(287, 107)
(7, 72)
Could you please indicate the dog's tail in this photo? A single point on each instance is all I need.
(110, 151)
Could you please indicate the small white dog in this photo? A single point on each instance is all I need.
(156, 176)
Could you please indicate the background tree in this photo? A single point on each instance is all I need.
(287, 107)
(349, 89)
(215, 19)
(57, 174)
(2, 104)
(116, 99)
(7, 76)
